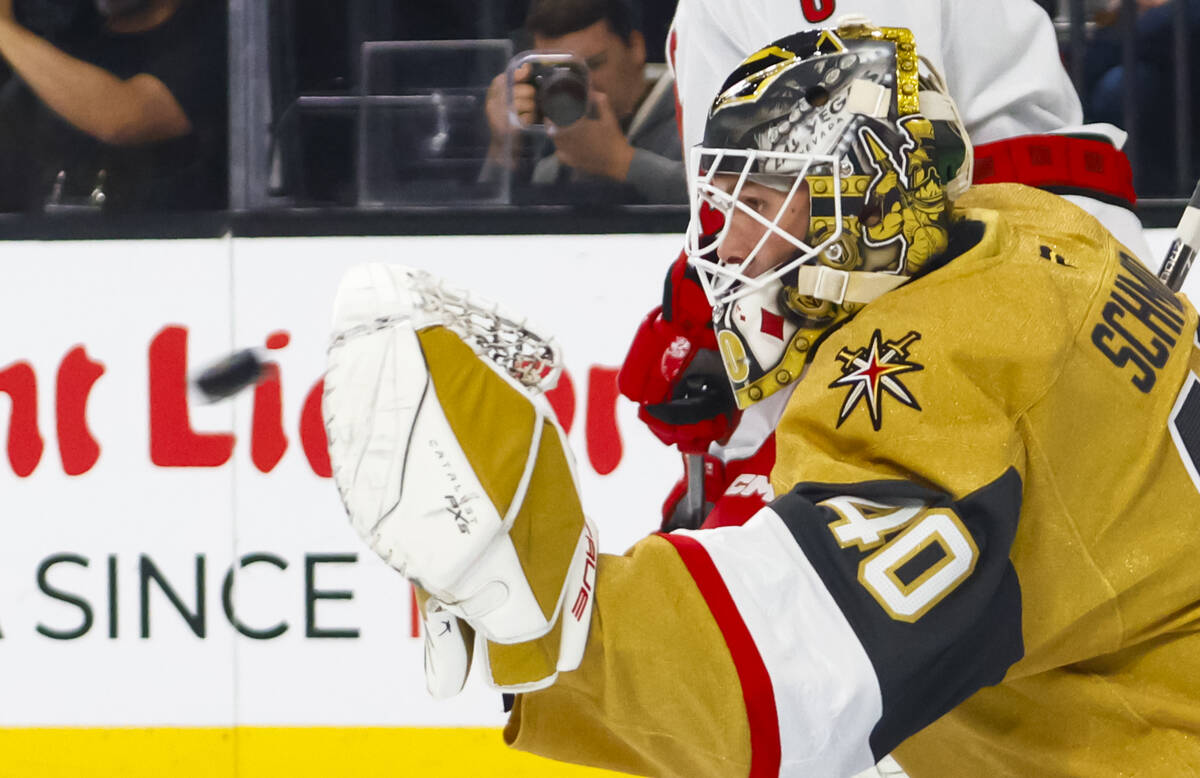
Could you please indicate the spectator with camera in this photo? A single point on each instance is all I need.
(132, 116)
(624, 145)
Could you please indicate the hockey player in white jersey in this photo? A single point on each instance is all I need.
(1002, 91)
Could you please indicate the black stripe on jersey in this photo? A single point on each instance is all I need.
(966, 641)
(1185, 426)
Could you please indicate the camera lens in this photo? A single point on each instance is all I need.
(563, 94)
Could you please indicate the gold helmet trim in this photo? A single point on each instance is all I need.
(907, 77)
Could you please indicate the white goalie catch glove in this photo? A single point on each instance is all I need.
(452, 468)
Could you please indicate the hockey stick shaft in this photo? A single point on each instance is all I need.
(694, 499)
(1185, 245)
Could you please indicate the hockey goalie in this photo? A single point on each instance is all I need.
(987, 423)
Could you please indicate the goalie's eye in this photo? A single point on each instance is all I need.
(753, 203)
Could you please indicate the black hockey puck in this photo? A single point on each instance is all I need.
(239, 370)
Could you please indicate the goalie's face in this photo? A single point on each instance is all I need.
(757, 239)
(750, 219)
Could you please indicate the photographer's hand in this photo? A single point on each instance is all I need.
(524, 98)
(6, 9)
(595, 144)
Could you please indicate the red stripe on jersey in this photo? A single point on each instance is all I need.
(1076, 165)
(757, 692)
(672, 46)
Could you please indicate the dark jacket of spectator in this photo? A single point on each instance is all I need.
(45, 158)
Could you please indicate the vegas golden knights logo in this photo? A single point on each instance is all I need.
(872, 371)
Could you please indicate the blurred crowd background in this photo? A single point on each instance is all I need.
(192, 105)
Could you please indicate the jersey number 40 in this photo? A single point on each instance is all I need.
(913, 570)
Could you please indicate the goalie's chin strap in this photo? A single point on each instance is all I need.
(838, 286)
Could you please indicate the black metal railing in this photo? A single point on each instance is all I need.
(1149, 123)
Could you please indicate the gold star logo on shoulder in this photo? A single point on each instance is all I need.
(872, 371)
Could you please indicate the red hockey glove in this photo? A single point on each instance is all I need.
(700, 410)
(684, 302)
(673, 371)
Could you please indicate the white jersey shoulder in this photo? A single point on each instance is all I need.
(1000, 59)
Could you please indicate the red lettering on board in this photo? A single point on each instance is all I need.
(562, 400)
(312, 432)
(603, 438)
(268, 442)
(25, 443)
(173, 442)
(77, 447)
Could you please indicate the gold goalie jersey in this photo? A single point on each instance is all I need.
(984, 557)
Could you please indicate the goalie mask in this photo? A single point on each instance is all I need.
(824, 179)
